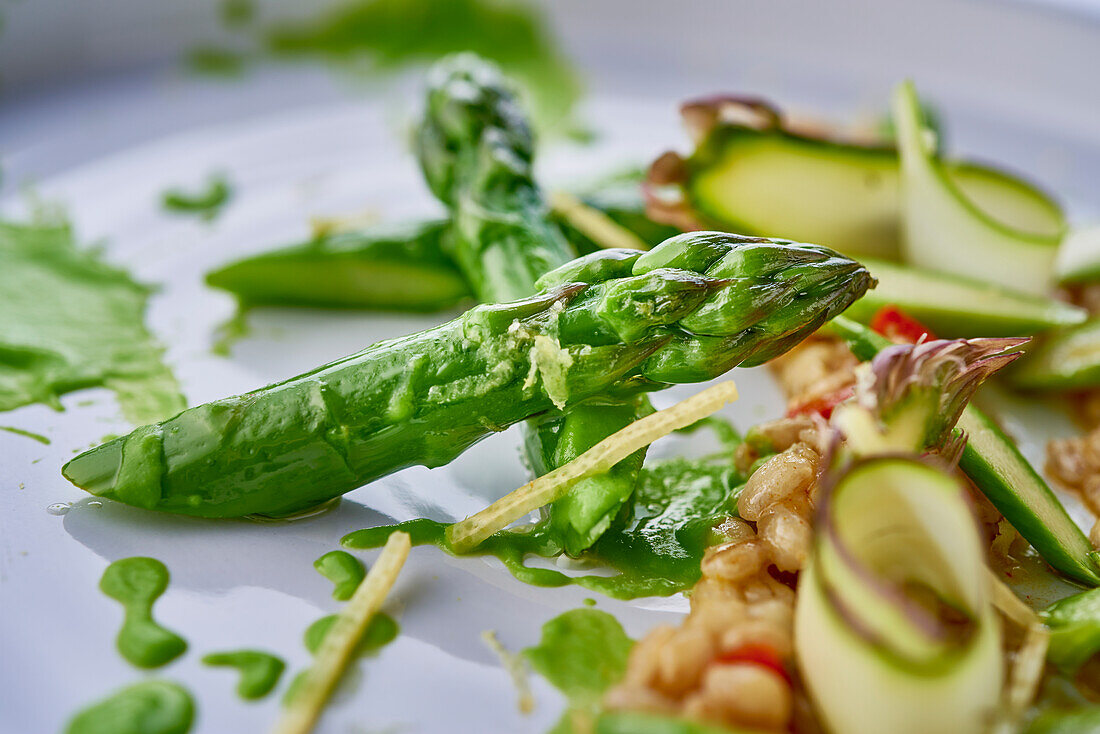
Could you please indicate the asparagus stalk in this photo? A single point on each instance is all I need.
(615, 321)
(476, 150)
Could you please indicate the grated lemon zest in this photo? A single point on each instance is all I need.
(305, 708)
(515, 668)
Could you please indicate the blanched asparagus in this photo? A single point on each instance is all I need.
(476, 149)
(615, 321)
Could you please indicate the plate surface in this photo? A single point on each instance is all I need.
(240, 584)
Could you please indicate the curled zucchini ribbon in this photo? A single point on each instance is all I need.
(894, 628)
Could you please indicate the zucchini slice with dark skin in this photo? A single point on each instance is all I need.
(956, 306)
(947, 228)
(1078, 260)
(752, 173)
(1065, 360)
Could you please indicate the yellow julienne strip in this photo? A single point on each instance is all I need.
(1027, 667)
(594, 224)
(466, 535)
(304, 709)
(515, 668)
(1027, 670)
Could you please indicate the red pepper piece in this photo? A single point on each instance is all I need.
(757, 654)
(896, 325)
(822, 405)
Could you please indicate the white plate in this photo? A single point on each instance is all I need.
(106, 154)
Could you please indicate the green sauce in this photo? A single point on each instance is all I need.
(656, 546)
(207, 203)
(382, 630)
(581, 653)
(28, 434)
(149, 707)
(344, 570)
(383, 36)
(260, 671)
(231, 331)
(236, 13)
(90, 332)
(215, 61)
(137, 583)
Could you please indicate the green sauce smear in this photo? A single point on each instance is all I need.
(656, 544)
(215, 61)
(260, 671)
(207, 203)
(28, 434)
(137, 583)
(344, 570)
(378, 37)
(583, 653)
(90, 332)
(382, 630)
(149, 707)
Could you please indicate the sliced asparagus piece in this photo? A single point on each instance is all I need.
(387, 267)
(957, 306)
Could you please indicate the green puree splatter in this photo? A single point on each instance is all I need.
(260, 671)
(344, 570)
(28, 434)
(137, 583)
(149, 707)
(584, 652)
(656, 545)
(382, 36)
(207, 203)
(88, 332)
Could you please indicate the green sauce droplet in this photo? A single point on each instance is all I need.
(590, 602)
(342, 569)
(260, 671)
(207, 203)
(137, 583)
(149, 707)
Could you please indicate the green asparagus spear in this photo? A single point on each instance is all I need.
(384, 267)
(615, 321)
(476, 150)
